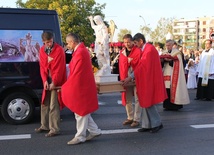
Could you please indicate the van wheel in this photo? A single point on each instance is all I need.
(17, 108)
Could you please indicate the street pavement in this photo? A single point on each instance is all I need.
(186, 132)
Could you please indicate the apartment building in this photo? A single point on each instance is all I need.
(193, 32)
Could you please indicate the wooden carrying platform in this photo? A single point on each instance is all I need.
(108, 87)
(111, 87)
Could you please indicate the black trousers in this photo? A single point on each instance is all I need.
(168, 105)
(205, 92)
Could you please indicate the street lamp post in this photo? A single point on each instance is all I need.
(143, 20)
(145, 29)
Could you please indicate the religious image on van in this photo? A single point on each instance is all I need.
(20, 45)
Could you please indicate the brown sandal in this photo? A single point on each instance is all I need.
(40, 130)
(51, 134)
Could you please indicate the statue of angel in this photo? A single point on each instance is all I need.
(101, 47)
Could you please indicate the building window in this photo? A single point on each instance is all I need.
(204, 29)
(204, 22)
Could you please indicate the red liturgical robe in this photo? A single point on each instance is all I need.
(128, 61)
(149, 78)
(79, 92)
(55, 63)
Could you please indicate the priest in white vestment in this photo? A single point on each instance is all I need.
(205, 70)
(174, 78)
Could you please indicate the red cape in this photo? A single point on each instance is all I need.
(149, 78)
(124, 65)
(55, 62)
(79, 92)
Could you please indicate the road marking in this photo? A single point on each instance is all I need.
(203, 126)
(101, 103)
(118, 131)
(28, 136)
(119, 102)
(9, 137)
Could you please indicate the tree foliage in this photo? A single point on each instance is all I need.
(164, 26)
(72, 15)
(122, 33)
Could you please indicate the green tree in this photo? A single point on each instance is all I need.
(164, 26)
(72, 15)
(122, 33)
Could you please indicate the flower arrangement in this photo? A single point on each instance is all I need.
(94, 61)
(95, 65)
(95, 69)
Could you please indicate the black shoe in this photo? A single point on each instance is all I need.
(144, 130)
(156, 129)
(206, 99)
(196, 98)
(166, 109)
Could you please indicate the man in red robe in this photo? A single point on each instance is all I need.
(128, 60)
(53, 73)
(150, 84)
(79, 92)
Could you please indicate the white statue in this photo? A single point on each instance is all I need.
(101, 47)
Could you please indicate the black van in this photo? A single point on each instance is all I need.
(20, 40)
